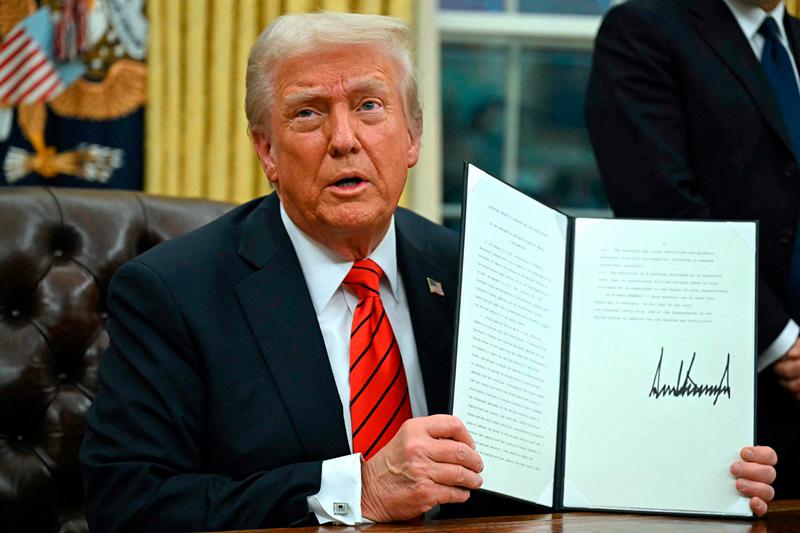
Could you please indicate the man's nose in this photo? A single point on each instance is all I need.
(343, 132)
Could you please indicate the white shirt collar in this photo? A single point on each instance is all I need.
(324, 270)
(751, 17)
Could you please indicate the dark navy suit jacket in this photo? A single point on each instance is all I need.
(685, 125)
(217, 404)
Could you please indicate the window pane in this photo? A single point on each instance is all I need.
(473, 111)
(471, 5)
(556, 161)
(567, 7)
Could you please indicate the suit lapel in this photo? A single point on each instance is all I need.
(717, 26)
(431, 318)
(277, 305)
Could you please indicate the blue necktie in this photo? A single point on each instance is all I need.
(778, 68)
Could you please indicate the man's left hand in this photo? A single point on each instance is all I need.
(755, 475)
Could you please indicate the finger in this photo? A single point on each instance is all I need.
(792, 385)
(758, 506)
(788, 368)
(446, 494)
(755, 489)
(754, 472)
(787, 362)
(454, 452)
(759, 454)
(455, 476)
(448, 427)
(794, 351)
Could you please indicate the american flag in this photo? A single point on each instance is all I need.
(28, 72)
(435, 287)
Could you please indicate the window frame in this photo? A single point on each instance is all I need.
(517, 30)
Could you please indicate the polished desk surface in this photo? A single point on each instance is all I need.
(783, 517)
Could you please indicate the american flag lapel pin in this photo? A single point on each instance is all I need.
(435, 287)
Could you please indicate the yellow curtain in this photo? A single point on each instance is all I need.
(196, 131)
(793, 6)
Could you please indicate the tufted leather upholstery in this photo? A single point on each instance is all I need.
(58, 251)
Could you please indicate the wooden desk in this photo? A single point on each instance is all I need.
(784, 517)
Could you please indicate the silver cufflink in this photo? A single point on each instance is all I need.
(341, 509)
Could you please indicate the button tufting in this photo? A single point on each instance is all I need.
(56, 368)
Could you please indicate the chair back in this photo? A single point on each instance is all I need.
(58, 251)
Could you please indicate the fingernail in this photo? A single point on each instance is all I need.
(736, 469)
(748, 454)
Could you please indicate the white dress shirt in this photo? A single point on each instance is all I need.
(750, 18)
(324, 272)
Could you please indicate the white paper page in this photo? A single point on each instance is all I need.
(647, 297)
(509, 336)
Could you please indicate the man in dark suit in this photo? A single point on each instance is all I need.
(694, 112)
(221, 397)
(232, 393)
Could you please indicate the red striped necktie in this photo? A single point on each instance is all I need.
(379, 402)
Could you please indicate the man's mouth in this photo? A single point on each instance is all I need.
(351, 181)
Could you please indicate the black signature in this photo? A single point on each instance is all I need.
(686, 386)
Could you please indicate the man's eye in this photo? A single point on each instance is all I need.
(304, 113)
(370, 105)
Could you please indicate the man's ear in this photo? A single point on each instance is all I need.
(413, 148)
(262, 144)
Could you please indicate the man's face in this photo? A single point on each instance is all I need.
(338, 146)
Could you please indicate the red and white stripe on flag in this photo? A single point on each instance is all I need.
(27, 75)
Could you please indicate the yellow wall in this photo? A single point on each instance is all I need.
(196, 130)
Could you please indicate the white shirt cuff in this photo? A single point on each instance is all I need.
(779, 346)
(339, 496)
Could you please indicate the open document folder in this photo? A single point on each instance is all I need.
(605, 363)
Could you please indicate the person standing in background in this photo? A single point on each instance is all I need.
(693, 109)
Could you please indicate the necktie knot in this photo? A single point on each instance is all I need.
(364, 278)
(769, 28)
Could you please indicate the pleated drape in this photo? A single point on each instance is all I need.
(196, 130)
(793, 6)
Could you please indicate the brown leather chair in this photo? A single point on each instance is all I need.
(58, 251)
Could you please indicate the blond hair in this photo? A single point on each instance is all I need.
(297, 34)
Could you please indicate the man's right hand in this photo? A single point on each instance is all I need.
(430, 461)
(788, 370)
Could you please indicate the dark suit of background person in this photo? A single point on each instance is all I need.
(685, 125)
